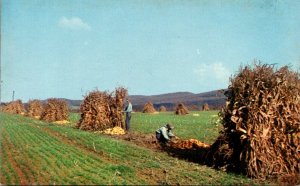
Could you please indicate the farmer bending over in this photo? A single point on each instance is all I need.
(164, 134)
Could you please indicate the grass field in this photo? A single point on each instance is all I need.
(36, 152)
(204, 127)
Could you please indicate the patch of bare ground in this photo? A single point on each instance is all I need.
(149, 141)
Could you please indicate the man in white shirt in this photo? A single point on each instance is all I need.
(128, 111)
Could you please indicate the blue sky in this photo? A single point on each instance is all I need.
(66, 48)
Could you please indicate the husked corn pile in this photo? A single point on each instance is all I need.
(189, 144)
(14, 107)
(114, 131)
(55, 110)
(149, 108)
(181, 109)
(261, 136)
(102, 110)
(35, 108)
(61, 122)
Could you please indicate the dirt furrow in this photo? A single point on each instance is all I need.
(68, 141)
(9, 152)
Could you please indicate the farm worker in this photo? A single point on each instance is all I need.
(128, 111)
(164, 134)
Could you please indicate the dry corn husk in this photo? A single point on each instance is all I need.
(205, 107)
(261, 124)
(181, 109)
(35, 109)
(14, 107)
(149, 108)
(55, 110)
(102, 110)
(162, 109)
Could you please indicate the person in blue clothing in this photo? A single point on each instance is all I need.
(164, 134)
(128, 110)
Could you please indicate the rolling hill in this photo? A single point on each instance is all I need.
(215, 99)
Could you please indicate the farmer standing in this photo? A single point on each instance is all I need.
(128, 110)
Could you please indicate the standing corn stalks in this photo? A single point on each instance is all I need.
(149, 108)
(35, 108)
(205, 107)
(162, 109)
(102, 110)
(181, 109)
(261, 135)
(14, 107)
(55, 110)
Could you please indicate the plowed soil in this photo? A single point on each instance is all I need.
(193, 153)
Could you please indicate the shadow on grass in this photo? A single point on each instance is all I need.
(196, 155)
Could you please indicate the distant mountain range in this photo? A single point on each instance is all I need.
(215, 99)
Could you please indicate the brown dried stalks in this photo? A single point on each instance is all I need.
(116, 107)
(205, 107)
(55, 110)
(35, 108)
(102, 110)
(149, 108)
(261, 136)
(162, 109)
(194, 107)
(181, 109)
(14, 107)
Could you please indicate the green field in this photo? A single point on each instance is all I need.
(36, 152)
(204, 127)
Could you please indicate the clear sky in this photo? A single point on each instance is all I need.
(66, 48)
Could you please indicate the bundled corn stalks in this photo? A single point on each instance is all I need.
(55, 110)
(181, 109)
(261, 120)
(14, 107)
(194, 107)
(205, 107)
(162, 109)
(149, 108)
(35, 109)
(102, 110)
(95, 111)
(116, 107)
